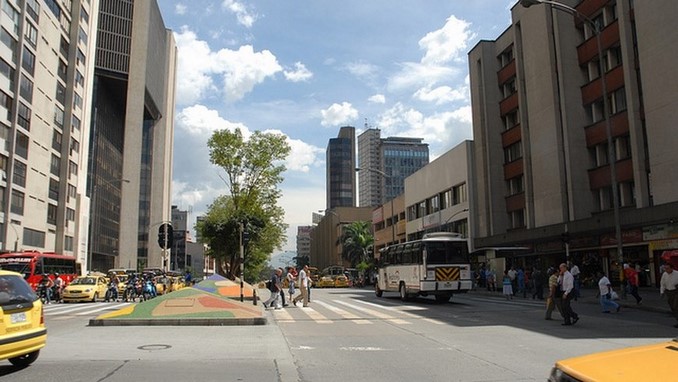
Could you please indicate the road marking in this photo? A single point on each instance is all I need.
(403, 310)
(344, 313)
(375, 313)
(282, 315)
(361, 348)
(70, 309)
(104, 308)
(63, 310)
(315, 316)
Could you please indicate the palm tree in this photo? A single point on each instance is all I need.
(356, 239)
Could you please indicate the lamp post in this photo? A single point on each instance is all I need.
(606, 113)
(93, 209)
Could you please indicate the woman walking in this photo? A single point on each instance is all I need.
(508, 288)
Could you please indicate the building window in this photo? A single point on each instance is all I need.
(31, 34)
(33, 9)
(513, 152)
(54, 189)
(55, 165)
(75, 146)
(5, 143)
(82, 36)
(75, 123)
(24, 116)
(68, 243)
(19, 173)
(517, 218)
(79, 78)
(84, 16)
(80, 57)
(72, 191)
(61, 93)
(28, 61)
(2, 199)
(459, 194)
(21, 145)
(63, 47)
(62, 71)
(618, 101)
(77, 101)
(515, 185)
(12, 13)
(51, 214)
(17, 206)
(70, 214)
(58, 117)
(511, 119)
(72, 169)
(54, 7)
(7, 71)
(509, 87)
(26, 88)
(56, 140)
(6, 105)
(9, 41)
(34, 238)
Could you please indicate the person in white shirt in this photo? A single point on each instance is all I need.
(668, 285)
(303, 287)
(566, 281)
(574, 269)
(606, 300)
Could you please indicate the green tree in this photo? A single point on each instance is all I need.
(253, 169)
(356, 239)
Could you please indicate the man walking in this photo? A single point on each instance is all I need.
(276, 287)
(303, 287)
(631, 276)
(668, 285)
(605, 291)
(566, 281)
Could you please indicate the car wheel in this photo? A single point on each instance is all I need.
(25, 360)
(403, 292)
(96, 297)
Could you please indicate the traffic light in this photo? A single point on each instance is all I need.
(165, 236)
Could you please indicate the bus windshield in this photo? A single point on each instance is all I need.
(446, 252)
(22, 268)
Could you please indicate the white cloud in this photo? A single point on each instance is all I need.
(245, 68)
(416, 75)
(450, 43)
(377, 98)
(302, 155)
(300, 73)
(201, 121)
(441, 94)
(180, 9)
(240, 69)
(338, 114)
(362, 69)
(245, 16)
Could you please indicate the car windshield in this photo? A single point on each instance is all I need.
(84, 281)
(14, 290)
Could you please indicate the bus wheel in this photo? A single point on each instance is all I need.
(378, 291)
(443, 298)
(403, 292)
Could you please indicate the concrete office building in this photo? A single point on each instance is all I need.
(389, 224)
(304, 242)
(46, 65)
(132, 134)
(340, 159)
(326, 248)
(544, 178)
(385, 163)
(180, 258)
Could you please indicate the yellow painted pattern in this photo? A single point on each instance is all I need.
(447, 273)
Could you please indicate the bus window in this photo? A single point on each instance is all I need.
(446, 252)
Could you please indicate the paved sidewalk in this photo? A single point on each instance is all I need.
(651, 300)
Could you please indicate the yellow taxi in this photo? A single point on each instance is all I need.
(86, 288)
(325, 282)
(341, 281)
(621, 365)
(22, 324)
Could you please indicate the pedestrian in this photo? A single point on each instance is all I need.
(566, 287)
(188, 279)
(538, 284)
(508, 288)
(291, 279)
(605, 292)
(631, 276)
(668, 285)
(576, 273)
(520, 278)
(512, 276)
(490, 277)
(303, 286)
(275, 288)
(551, 301)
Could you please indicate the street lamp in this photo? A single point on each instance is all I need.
(92, 214)
(606, 112)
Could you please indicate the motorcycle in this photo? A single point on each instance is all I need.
(112, 293)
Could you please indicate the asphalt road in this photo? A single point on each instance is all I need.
(345, 335)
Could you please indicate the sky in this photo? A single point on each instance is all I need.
(304, 68)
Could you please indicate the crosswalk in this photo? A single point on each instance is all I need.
(65, 311)
(358, 312)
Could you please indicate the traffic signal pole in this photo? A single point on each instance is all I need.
(242, 265)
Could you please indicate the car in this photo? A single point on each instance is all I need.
(341, 281)
(86, 288)
(325, 282)
(621, 364)
(22, 323)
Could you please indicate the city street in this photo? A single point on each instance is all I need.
(345, 334)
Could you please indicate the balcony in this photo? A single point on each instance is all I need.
(609, 36)
(513, 169)
(511, 136)
(594, 89)
(515, 202)
(509, 103)
(600, 177)
(507, 72)
(597, 133)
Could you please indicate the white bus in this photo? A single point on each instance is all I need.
(436, 265)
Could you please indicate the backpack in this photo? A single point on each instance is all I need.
(268, 284)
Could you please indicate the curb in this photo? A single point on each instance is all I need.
(179, 321)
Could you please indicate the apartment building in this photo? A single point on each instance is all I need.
(46, 62)
(544, 176)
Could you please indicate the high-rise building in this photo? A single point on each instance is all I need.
(541, 137)
(46, 61)
(132, 134)
(304, 242)
(179, 256)
(384, 164)
(340, 158)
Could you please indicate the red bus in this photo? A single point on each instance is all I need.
(33, 264)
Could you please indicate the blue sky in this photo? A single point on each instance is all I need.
(307, 67)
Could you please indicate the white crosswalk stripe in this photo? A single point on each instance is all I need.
(403, 309)
(327, 312)
(82, 309)
(345, 314)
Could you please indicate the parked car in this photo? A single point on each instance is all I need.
(22, 325)
(621, 365)
(325, 282)
(86, 288)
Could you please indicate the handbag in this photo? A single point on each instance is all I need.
(614, 295)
